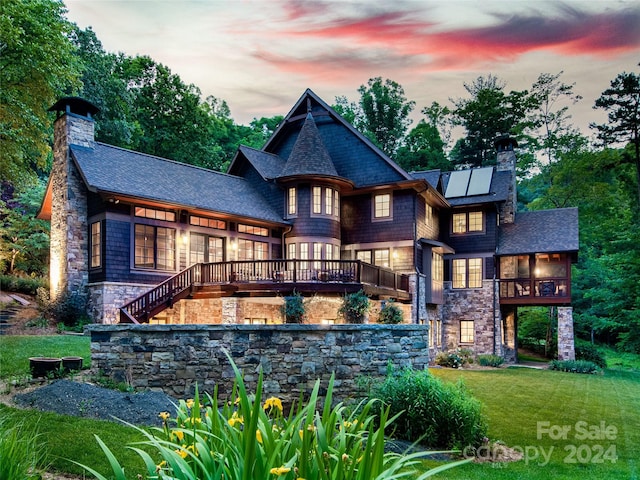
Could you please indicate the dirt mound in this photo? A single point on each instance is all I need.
(66, 397)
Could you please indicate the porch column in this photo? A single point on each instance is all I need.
(230, 309)
(566, 350)
(509, 333)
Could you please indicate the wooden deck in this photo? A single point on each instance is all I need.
(266, 278)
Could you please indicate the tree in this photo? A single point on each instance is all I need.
(423, 149)
(36, 66)
(606, 279)
(440, 118)
(103, 85)
(24, 240)
(486, 114)
(385, 112)
(622, 103)
(350, 111)
(173, 121)
(551, 120)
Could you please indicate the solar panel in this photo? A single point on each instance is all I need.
(458, 182)
(480, 182)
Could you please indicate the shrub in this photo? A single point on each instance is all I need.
(490, 360)
(390, 314)
(448, 359)
(246, 439)
(573, 366)
(589, 352)
(354, 307)
(438, 414)
(293, 309)
(21, 457)
(27, 285)
(69, 309)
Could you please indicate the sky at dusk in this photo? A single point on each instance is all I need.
(260, 56)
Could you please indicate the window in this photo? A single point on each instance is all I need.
(253, 230)
(428, 215)
(468, 222)
(96, 245)
(325, 201)
(329, 255)
(374, 257)
(205, 249)
(155, 247)
(467, 273)
(328, 201)
(317, 254)
(317, 200)
(155, 214)
(475, 222)
(437, 267)
(291, 251)
(467, 331)
(291, 201)
(304, 254)
(364, 256)
(381, 258)
(251, 250)
(208, 222)
(382, 206)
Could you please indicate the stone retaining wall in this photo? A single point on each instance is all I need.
(173, 358)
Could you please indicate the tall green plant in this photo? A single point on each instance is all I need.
(293, 309)
(247, 439)
(438, 414)
(21, 457)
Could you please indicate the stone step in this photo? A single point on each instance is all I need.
(4, 327)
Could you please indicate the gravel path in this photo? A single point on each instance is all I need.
(85, 400)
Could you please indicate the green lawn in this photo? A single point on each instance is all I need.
(526, 408)
(15, 351)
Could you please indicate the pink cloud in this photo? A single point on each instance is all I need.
(404, 34)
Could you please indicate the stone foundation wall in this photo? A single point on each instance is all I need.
(106, 299)
(173, 358)
(479, 306)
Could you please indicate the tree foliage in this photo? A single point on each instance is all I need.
(36, 66)
(622, 103)
(24, 239)
(550, 116)
(487, 113)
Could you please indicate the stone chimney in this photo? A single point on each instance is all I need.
(69, 263)
(506, 162)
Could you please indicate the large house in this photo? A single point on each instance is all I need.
(319, 211)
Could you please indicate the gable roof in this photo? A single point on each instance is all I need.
(309, 102)
(542, 231)
(498, 189)
(117, 171)
(431, 176)
(268, 165)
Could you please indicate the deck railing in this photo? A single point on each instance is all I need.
(523, 288)
(185, 283)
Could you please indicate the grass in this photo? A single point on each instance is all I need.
(517, 399)
(620, 360)
(15, 351)
(66, 437)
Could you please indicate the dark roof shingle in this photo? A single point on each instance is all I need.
(309, 156)
(542, 231)
(116, 170)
